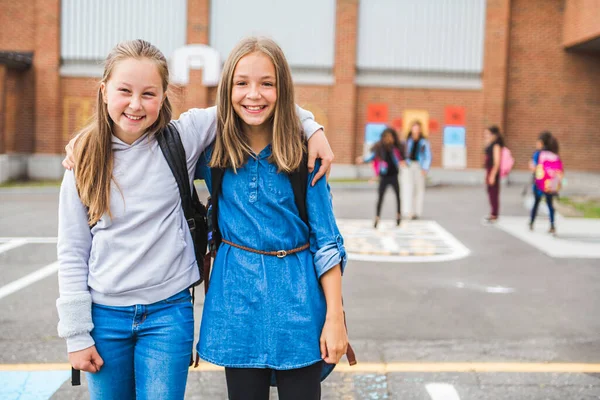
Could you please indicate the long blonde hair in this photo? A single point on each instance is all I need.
(93, 152)
(231, 145)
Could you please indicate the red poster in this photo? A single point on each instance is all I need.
(397, 124)
(455, 116)
(377, 113)
(434, 126)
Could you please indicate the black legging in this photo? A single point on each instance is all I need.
(384, 181)
(294, 384)
(549, 200)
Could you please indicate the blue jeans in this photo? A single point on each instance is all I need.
(146, 349)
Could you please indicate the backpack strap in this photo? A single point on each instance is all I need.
(169, 141)
(299, 180)
(216, 175)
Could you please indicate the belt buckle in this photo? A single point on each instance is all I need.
(281, 253)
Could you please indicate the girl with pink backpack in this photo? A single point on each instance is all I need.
(548, 173)
(387, 157)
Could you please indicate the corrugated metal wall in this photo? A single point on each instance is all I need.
(424, 35)
(91, 28)
(305, 29)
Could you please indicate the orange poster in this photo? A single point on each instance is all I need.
(377, 113)
(455, 116)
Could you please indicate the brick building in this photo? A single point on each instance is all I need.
(526, 65)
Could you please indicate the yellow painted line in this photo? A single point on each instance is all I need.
(383, 368)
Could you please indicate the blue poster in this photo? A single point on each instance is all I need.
(454, 136)
(373, 133)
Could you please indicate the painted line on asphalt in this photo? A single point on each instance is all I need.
(364, 367)
(12, 244)
(27, 280)
(442, 391)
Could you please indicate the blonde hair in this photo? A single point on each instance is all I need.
(93, 153)
(231, 145)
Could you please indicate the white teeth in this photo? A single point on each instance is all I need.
(133, 118)
(254, 108)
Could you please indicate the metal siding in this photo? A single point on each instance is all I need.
(428, 35)
(305, 30)
(91, 28)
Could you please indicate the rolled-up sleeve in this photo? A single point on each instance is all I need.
(326, 242)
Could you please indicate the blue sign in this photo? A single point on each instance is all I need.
(373, 133)
(454, 136)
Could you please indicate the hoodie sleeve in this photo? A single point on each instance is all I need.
(73, 249)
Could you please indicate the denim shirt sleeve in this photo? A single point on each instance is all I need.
(426, 163)
(326, 242)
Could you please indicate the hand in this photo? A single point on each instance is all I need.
(492, 180)
(318, 147)
(86, 360)
(402, 164)
(359, 160)
(69, 161)
(424, 172)
(334, 339)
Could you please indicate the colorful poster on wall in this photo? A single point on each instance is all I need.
(409, 116)
(454, 115)
(372, 135)
(454, 136)
(454, 157)
(377, 113)
(434, 126)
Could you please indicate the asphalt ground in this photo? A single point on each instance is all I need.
(505, 321)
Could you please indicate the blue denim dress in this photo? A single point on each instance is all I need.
(263, 311)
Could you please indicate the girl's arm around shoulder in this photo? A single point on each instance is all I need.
(197, 127)
(326, 242)
(73, 250)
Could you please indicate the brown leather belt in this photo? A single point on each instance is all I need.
(277, 253)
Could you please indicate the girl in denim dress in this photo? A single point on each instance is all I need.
(267, 317)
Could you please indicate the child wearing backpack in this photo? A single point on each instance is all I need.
(548, 172)
(124, 247)
(493, 153)
(273, 310)
(387, 158)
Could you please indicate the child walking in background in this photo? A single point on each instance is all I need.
(493, 151)
(387, 158)
(418, 161)
(273, 308)
(547, 168)
(125, 252)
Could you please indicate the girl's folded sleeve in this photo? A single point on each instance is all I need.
(73, 250)
(326, 242)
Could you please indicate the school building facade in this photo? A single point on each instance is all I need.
(457, 65)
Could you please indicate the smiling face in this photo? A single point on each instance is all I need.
(133, 95)
(254, 91)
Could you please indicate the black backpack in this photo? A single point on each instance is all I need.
(169, 141)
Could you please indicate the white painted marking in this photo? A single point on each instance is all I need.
(565, 245)
(12, 244)
(28, 279)
(30, 239)
(389, 244)
(487, 289)
(442, 391)
(423, 235)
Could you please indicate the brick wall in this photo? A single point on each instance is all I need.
(581, 21)
(46, 63)
(19, 122)
(17, 25)
(551, 89)
(530, 83)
